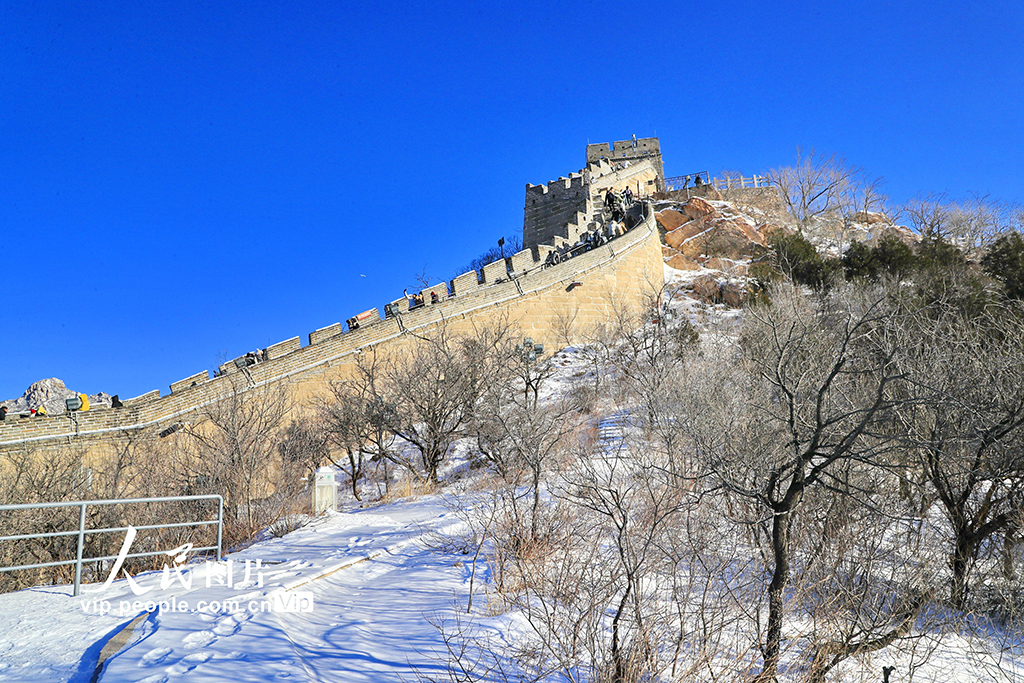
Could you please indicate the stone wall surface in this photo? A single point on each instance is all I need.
(568, 207)
(588, 288)
(621, 150)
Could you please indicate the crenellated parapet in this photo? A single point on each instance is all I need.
(628, 150)
(564, 209)
(528, 287)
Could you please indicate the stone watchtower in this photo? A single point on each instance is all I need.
(565, 208)
(629, 150)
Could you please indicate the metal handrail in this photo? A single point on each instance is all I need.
(82, 531)
(676, 182)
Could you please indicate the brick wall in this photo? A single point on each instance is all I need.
(566, 208)
(649, 148)
(619, 275)
(550, 207)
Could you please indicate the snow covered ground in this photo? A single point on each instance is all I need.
(349, 596)
(363, 584)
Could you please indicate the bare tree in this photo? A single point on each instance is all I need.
(818, 185)
(963, 420)
(302, 449)
(865, 575)
(813, 397)
(433, 390)
(971, 223)
(519, 438)
(233, 448)
(349, 422)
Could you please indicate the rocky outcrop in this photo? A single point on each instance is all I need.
(701, 229)
(871, 218)
(50, 394)
(712, 288)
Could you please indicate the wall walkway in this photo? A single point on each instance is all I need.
(588, 287)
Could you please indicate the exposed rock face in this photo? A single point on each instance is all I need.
(50, 394)
(680, 262)
(714, 290)
(714, 242)
(698, 208)
(698, 230)
(871, 218)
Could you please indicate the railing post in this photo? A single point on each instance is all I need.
(81, 545)
(220, 525)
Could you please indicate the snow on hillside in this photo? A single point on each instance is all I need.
(351, 596)
(368, 582)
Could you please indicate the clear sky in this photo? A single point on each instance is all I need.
(182, 182)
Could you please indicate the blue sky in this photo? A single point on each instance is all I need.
(183, 182)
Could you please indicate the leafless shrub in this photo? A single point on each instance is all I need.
(818, 185)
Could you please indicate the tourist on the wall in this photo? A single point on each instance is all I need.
(610, 200)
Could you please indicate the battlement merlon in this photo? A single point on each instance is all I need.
(574, 181)
(624, 149)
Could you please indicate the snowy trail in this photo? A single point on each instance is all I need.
(367, 621)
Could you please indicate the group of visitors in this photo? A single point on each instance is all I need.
(40, 410)
(416, 300)
(698, 181)
(32, 412)
(616, 205)
(254, 357)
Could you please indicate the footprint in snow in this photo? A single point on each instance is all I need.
(156, 656)
(376, 569)
(188, 663)
(198, 639)
(155, 678)
(228, 626)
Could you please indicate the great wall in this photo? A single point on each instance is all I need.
(529, 289)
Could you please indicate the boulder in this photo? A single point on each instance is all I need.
(698, 208)
(870, 217)
(900, 232)
(733, 294)
(670, 219)
(725, 238)
(727, 266)
(677, 238)
(680, 262)
(706, 288)
(714, 290)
